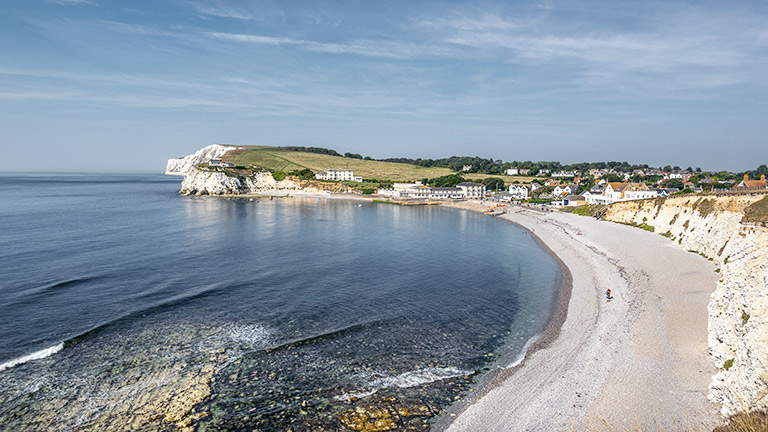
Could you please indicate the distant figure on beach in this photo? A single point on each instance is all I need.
(608, 294)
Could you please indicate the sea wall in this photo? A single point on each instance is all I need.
(199, 181)
(180, 166)
(732, 231)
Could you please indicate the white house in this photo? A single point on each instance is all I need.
(518, 171)
(472, 190)
(519, 191)
(566, 189)
(563, 174)
(338, 175)
(615, 192)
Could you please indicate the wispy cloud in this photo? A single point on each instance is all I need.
(369, 48)
(221, 9)
(72, 2)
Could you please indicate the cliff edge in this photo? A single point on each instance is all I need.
(180, 166)
(732, 230)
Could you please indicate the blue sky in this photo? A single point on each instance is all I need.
(96, 85)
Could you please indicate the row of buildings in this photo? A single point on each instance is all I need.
(465, 190)
(601, 193)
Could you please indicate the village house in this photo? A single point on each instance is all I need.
(615, 192)
(747, 184)
(338, 175)
(513, 171)
(220, 163)
(563, 174)
(570, 200)
(566, 189)
(472, 190)
(662, 192)
(519, 191)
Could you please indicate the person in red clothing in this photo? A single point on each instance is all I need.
(608, 294)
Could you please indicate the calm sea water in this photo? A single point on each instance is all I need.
(124, 303)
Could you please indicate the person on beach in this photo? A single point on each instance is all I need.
(608, 294)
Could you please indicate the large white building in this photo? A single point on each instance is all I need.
(615, 192)
(472, 190)
(417, 190)
(338, 175)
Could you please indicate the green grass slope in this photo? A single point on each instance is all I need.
(274, 158)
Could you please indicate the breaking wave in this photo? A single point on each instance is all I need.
(37, 355)
(412, 378)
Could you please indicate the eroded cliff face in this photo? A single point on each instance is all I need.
(199, 181)
(180, 166)
(731, 230)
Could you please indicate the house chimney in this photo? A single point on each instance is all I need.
(746, 177)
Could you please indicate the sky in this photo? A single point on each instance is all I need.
(98, 85)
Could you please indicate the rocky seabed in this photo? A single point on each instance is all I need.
(715, 227)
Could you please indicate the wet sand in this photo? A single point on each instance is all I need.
(637, 362)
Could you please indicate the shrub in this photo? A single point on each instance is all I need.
(728, 364)
(278, 175)
(744, 316)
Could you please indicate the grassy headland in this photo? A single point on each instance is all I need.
(278, 159)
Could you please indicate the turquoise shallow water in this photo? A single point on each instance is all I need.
(273, 314)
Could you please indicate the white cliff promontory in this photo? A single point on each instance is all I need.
(201, 181)
(731, 230)
(179, 166)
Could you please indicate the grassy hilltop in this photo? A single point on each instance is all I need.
(275, 158)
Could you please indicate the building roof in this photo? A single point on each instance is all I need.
(470, 184)
(752, 184)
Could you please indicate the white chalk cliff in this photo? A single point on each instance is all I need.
(201, 179)
(731, 230)
(206, 182)
(180, 166)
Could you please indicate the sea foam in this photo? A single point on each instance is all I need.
(34, 356)
(406, 379)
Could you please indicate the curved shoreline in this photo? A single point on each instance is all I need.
(549, 335)
(638, 362)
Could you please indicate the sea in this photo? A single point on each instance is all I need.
(125, 306)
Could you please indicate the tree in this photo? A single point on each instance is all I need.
(674, 183)
(493, 183)
(450, 180)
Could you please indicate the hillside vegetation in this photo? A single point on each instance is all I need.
(274, 158)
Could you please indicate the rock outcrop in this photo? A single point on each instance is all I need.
(180, 166)
(732, 230)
